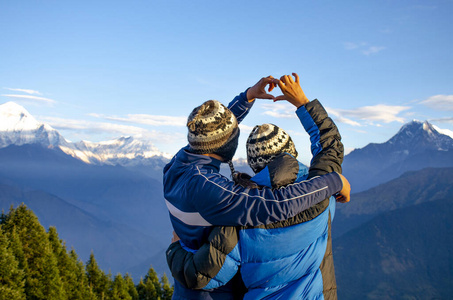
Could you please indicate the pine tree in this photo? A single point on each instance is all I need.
(17, 249)
(42, 280)
(167, 290)
(50, 281)
(97, 280)
(149, 288)
(72, 274)
(11, 277)
(132, 290)
(119, 290)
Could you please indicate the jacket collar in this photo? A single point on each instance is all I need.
(186, 157)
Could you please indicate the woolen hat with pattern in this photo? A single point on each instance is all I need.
(264, 143)
(213, 128)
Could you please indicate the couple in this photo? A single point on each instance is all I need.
(275, 242)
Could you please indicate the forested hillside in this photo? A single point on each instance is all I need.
(35, 264)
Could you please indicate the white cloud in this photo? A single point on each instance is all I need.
(363, 47)
(448, 120)
(89, 128)
(372, 50)
(340, 118)
(279, 110)
(245, 128)
(369, 114)
(30, 98)
(348, 150)
(439, 102)
(92, 127)
(284, 115)
(31, 92)
(145, 119)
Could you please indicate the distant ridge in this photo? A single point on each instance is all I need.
(411, 188)
(402, 254)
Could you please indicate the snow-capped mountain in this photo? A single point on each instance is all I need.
(19, 127)
(417, 145)
(124, 151)
(417, 136)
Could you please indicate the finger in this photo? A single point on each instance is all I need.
(265, 96)
(272, 85)
(340, 199)
(281, 85)
(279, 98)
(267, 79)
(297, 78)
(288, 79)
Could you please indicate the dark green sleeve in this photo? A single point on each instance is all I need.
(195, 270)
(328, 160)
(331, 156)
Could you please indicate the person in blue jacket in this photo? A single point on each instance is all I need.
(291, 259)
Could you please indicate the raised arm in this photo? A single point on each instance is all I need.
(241, 104)
(326, 145)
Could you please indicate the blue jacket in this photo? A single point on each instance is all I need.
(280, 261)
(198, 197)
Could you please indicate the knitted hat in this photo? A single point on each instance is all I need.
(264, 143)
(213, 128)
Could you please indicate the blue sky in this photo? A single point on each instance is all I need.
(97, 70)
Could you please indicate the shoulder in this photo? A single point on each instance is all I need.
(283, 170)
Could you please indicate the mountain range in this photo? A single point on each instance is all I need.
(18, 127)
(107, 197)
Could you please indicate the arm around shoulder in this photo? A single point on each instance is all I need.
(221, 202)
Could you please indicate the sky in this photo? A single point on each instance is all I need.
(98, 70)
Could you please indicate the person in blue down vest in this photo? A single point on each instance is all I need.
(291, 259)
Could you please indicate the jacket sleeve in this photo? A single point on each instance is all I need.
(221, 202)
(326, 145)
(240, 106)
(211, 266)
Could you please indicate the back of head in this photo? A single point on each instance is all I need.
(264, 143)
(213, 128)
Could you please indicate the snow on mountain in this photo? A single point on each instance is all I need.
(124, 151)
(444, 131)
(19, 127)
(418, 136)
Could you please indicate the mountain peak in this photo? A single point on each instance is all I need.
(415, 132)
(14, 117)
